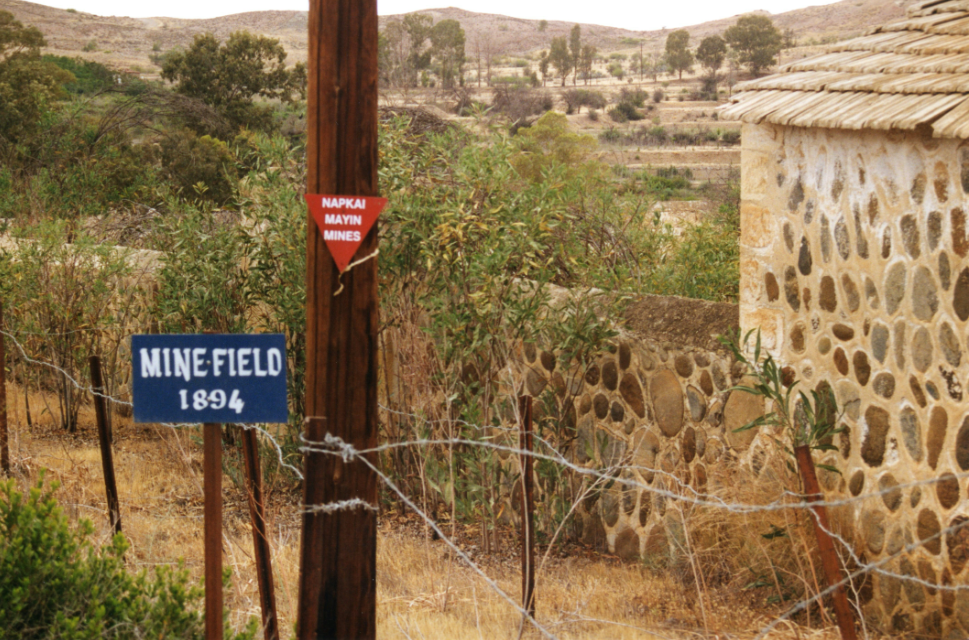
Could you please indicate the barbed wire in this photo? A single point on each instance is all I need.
(678, 491)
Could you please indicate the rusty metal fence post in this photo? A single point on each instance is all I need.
(260, 541)
(4, 440)
(212, 488)
(104, 440)
(829, 558)
(528, 506)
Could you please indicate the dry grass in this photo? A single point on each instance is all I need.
(423, 591)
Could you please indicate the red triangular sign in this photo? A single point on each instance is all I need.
(344, 222)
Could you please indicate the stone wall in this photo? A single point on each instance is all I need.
(853, 265)
(657, 401)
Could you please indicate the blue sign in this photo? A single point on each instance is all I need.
(191, 379)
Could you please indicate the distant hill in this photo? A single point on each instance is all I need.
(127, 43)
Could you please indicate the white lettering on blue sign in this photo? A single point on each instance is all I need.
(195, 363)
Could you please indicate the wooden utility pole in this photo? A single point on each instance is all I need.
(337, 588)
(105, 441)
(212, 489)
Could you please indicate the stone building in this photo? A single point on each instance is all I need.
(854, 266)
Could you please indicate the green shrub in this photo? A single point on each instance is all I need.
(611, 135)
(60, 280)
(624, 112)
(54, 583)
(575, 99)
(91, 45)
(635, 97)
(89, 76)
(202, 167)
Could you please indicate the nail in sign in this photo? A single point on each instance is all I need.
(344, 222)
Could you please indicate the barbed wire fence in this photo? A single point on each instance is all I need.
(854, 564)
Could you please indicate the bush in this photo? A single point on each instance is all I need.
(59, 280)
(202, 167)
(611, 135)
(55, 584)
(658, 96)
(518, 104)
(89, 76)
(548, 143)
(624, 112)
(635, 97)
(575, 99)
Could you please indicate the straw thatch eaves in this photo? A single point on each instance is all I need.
(898, 76)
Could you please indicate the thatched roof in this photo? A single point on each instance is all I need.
(897, 76)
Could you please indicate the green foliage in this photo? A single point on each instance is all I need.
(89, 76)
(89, 46)
(575, 99)
(28, 85)
(200, 166)
(704, 261)
(711, 53)
(54, 583)
(447, 47)
(542, 26)
(230, 76)
(757, 42)
(635, 97)
(550, 142)
(616, 70)
(678, 54)
(575, 49)
(807, 421)
(624, 112)
(79, 162)
(202, 286)
(560, 58)
(64, 286)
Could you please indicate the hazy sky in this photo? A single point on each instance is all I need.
(635, 15)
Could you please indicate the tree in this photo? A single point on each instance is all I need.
(711, 53)
(418, 27)
(575, 48)
(543, 62)
(228, 77)
(28, 85)
(587, 58)
(560, 57)
(447, 47)
(789, 39)
(542, 26)
(678, 54)
(616, 69)
(393, 44)
(757, 42)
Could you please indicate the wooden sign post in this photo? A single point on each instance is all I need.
(337, 587)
